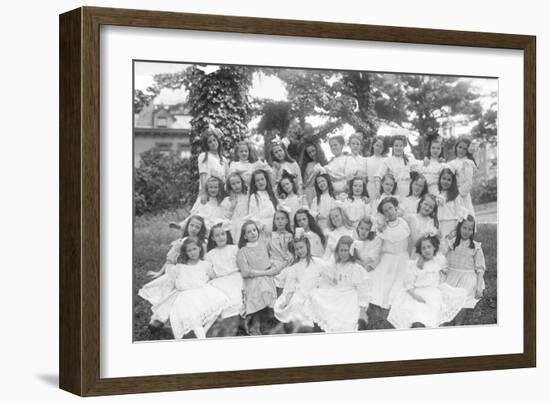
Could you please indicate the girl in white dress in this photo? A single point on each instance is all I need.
(302, 276)
(357, 164)
(211, 161)
(279, 244)
(375, 162)
(368, 244)
(344, 288)
(262, 202)
(222, 255)
(312, 159)
(388, 187)
(287, 193)
(433, 163)
(393, 258)
(464, 166)
(424, 300)
(419, 187)
(235, 206)
(324, 199)
(400, 166)
(305, 221)
(451, 207)
(357, 205)
(466, 266)
(339, 167)
(194, 227)
(183, 293)
(245, 161)
(280, 161)
(339, 225)
(423, 222)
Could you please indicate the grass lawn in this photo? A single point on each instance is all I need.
(151, 242)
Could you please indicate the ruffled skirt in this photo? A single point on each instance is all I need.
(467, 280)
(334, 309)
(232, 286)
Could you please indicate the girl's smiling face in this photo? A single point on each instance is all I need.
(418, 186)
(322, 183)
(461, 149)
(236, 184)
(260, 181)
(220, 237)
(355, 146)
(213, 188)
(312, 152)
(336, 218)
(278, 153)
(427, 250)
(363, 230)
(212, 143)
(193, 251)
(357, 187)
(300, 248)
(343, 252)
(280, 220)
(378, 147)
(427, 207)
(286, 185)
(435, 149)
(251, 233)
(194, 227)
(243, 153)
(398, 148)
(446, 181)
(335, 147)
(389, 211)
(302, 221)
(467, 229)
(388, 185)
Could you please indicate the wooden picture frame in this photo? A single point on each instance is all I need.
(79, 346)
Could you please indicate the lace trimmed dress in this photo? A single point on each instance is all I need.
(335, 305)
(464, 265)
(442, 302)
(184, 295)
(227, 278)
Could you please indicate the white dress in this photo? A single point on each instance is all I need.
(393, 258)
(336, 304)
(357, 208)
(321, 210)
(317, 248)
(419, 225)
(402, 173)
(290, 167)
(340, 172)
(332, 238)
(213, 166)
(442, 304)
(293, 202)
(464, 170)
(357, 166)
(448, 213)
(409, 205)
(235, 212)
(431, 173)
(211, 211)
(227, 278)
(246, 168)
(262, 209)
(368, 251)
(374, 166)
(184, 295)
(301, 278)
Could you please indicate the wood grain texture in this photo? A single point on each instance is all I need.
(80, 200)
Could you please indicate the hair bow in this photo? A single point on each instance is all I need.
(321, 170)
(287, 175)
(283, 207)
(254, 220)
(299, 233)
(338, 203)
(225, 224)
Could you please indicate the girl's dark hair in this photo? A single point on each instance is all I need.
(306, 159)
(346, 221)
(221, 191)
(389, 199)
(268, 187)
(286, 175)
(217, 134)
(452, 192)
(270, 157)
(458, 237)
(376, 139)
(434, 240)
(242, 238)
(468, 141)
(183, 258)
(366, 220)
(212, 243)
(364, 193)
(291, 248)
(388, 176)
(434, 212)
(288, 228)
(202, 233)
(330, 187)
(228, 190)
(344, 240)
(252, 157)
(434, 138)
(415, 176)
(313, 226)
(402, 139)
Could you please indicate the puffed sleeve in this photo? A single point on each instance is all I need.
(479, 259)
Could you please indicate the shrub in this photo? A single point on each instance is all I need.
(484, 191)
(162, 181)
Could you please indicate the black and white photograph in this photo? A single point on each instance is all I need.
(273, 201)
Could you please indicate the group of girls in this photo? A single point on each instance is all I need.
(317, 243)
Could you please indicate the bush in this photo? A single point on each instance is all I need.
(484, 191)
(162, 181)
